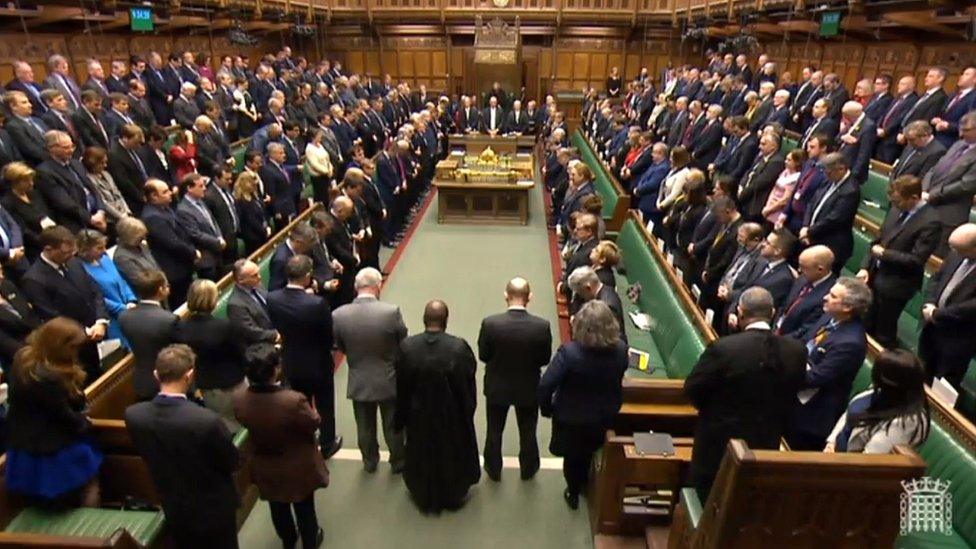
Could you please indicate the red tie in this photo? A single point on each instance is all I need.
(955, 99)
(800, 297)
(891, 111)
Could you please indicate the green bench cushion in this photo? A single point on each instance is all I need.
(639, 339)
(862, 247)
(789, 144)
(948, 460)
(604, 187)
(931, 541)
(144, 526)
(874, 197)
(675, 337)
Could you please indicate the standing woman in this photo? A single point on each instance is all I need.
(319, 166)
(604, 259)
(26, 206)
(683, 233)
(581, 391)
(115, 290)
(287, 466)
(247, 114)
(203, 67)
(613, 83)
(782, 193)
(674, 182)
(183, 154)
(255, 230)
(49, 457)
(219, 350)
(132, 256)
(95, 160)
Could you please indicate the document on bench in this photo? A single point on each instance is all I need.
(643, 321)
(945, 392)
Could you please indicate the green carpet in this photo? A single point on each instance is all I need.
(467, 267)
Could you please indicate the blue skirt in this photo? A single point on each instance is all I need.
(50, 476)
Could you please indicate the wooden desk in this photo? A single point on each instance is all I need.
(475, 143)
(481, 203)
(621, 472)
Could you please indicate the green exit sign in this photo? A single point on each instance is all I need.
(830, 23)
(141, 19)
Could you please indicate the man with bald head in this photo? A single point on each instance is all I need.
(340, 246)
(436, 400)
(24, 82)
(802, 307)
(169, 240)
(892, 121)
(946, 344)
(514, 346)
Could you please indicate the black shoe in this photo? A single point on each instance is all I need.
(571, 499)
(319, 538)
(369, 467)
(396, 469)
(528, 475)
(493, 475)
(336, 446)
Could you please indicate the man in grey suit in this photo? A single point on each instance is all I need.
(247, 307)
(185, 108)
(514, 346)
(950, 185)
(149, 328)
(369, 332)
(60, 79)
(200, 224)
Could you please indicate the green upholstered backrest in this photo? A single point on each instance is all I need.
(874, 198)
(604, 187)
(144, 526)
(863, 378)
(675, 337)
(265, 266)
(862, 246)
(789, 144)
(947, 459)
(220, 311)
(238, 154)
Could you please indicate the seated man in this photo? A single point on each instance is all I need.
(836, 347)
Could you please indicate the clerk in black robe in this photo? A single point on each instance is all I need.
(436, 400)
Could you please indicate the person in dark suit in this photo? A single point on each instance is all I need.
(253, 222)
(185, 109)
(58, 117)
(922, 151)
(50, 457)
(201, 227)
(219, 349)
(514, 346)
(930, 104)
(517, 122)
(587, 286)
(743, 269)
(287, 467)
(148, 327)
(739, 157)
(890, 124)
(802, 307)
(744, 387)
(300, 241)
(67, 191)
(13, 254)
(26, 131)
(758, 181)
(492, 118)
(8, 149)
(191, 456)
(708, 142)
(584, 240)
(722, 250)
(882, 99)
(247, 307)
(830, 218)
(127, 167)
(23, 82)
(88, 121)
(856, 140)
(139, 109)
(951, 184)
(305, 323)
(17, 319)
(277, 183)
(946, 123)
(836, 347)
(219, 199)
(581, 392)
(340, 247)
(776, 275)
(58, 285)
(946, 345)
(894, 268)
(117, 115)
(169, 240)
(821, 124)
(369, 332)
(835, 91)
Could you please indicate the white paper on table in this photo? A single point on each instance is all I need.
(107, 347)
(945, 392)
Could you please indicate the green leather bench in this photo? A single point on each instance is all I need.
(601, 182)
(788, 144)
(874, 198)
(144, 526)
(674, 341)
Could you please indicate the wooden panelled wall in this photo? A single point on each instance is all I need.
(79, 48)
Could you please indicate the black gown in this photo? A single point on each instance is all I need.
(436, 400)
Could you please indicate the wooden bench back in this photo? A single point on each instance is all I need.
(764, 498)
